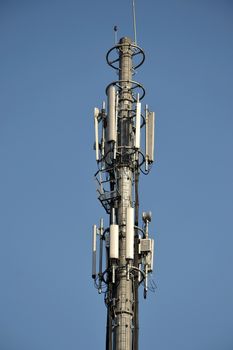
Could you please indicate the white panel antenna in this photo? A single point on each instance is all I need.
(151, 132)
(150, 125)
(96, 115)
(94, 232)
(111, 120)
(103, 142)
(101, 231)
(152, 256)
(138, 125)
(130, 233)
(114, 241)
(116, 116)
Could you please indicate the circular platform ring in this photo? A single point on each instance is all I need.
(135, 85)
(137, 51)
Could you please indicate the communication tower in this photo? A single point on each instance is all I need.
(125, 249)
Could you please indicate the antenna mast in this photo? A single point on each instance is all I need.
(120, 159)
(134, 22)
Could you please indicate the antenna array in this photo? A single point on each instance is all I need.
(120, 159)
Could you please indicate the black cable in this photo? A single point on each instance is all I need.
(107, 332)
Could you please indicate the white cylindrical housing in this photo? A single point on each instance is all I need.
(111, 119)
(96, 113)
(130, 233)
(94, 251)
(114, 241)
(137, 125)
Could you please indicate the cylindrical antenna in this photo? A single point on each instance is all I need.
(113, 216)
(134, 23)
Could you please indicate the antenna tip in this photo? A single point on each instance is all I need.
(115, 28)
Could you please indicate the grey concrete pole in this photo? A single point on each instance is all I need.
(124, 295)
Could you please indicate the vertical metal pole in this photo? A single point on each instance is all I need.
(124, 290)
(136, 284)
(134, 23)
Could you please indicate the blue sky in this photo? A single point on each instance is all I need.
(53, 72)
